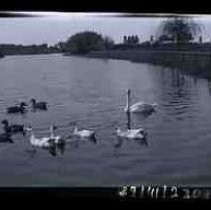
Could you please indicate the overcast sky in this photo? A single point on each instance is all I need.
(54, 27)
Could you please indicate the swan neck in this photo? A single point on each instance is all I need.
(128, 99)
(51, 132)
(75, 129)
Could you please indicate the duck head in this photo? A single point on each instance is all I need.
(5, 122)
(23, 104)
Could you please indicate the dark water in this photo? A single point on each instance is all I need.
(91, 92)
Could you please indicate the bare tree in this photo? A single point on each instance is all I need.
(180, 29)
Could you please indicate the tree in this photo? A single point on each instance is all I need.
(83, 42)
(200, 39)
(1, 55)
(136, 41)
(180, 29)
(108, 43)
(125, 39)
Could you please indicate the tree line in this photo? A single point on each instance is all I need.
(176, 30)
(12, 49)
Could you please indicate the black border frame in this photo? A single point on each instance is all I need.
(133, 7)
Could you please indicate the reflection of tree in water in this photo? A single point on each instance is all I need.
(175, 87)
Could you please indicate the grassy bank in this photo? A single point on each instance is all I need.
(197, 63)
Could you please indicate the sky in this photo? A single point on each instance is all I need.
(52, 27)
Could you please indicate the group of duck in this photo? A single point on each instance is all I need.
(52, 139)
(11, 129)
(21, 107)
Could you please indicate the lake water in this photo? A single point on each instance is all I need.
(92, 92)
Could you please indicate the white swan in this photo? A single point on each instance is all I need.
(39, 142)
(83, 133)
(140, 107)
(131, 133)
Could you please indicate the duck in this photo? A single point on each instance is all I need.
(139, 107)
(13, 128)
(5, 137)
(38, 105)
(132, 133)
(44, 142)
(86, 134)
(20, 108)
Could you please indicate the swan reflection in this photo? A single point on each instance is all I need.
(120, 142)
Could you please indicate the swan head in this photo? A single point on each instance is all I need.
(33, 101)
(128, 91)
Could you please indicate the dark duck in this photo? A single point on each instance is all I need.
(20, 108)
(13, 128)
(5, 137)
(38, 105)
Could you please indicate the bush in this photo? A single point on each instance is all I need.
(82, 43)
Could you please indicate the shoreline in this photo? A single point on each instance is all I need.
(194, 63)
